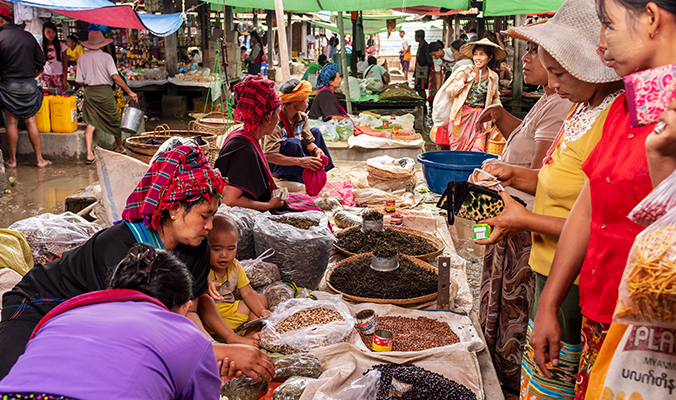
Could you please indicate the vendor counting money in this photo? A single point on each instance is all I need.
(291, 153)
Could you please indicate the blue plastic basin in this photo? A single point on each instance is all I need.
(441, 167)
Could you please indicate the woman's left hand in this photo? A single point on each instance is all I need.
(228, 370)
(508, 223)
(213, 290)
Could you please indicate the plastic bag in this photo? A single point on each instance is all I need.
(657, 203)
(301, 255)
(364, 388)
(16, 253)
(355, 92)
(299, 364)
(307, 336)
(276, 293)
(388, 168)
(244, 388)
(260, 272)
(292, 389)
(345, 219)
(328, 203)
(50, 235)
(328, 129)
(647, 293)
(246, 219)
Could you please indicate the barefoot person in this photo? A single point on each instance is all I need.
(96, 71)
(21, 97)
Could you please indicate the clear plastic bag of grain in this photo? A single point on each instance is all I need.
(292, 388)
(300, 325)
(364, 388)
(276, 293)
(244, 388)
(299, 364)
(259, 271)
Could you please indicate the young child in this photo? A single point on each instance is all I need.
(74, 50)
(228, 272)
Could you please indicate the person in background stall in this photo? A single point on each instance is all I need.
(461, 60)
(74, 50)
(423, 62)
(443, 61)
(293, 146)
(55, 74)
(255, 59)
(242, 53)
(122, 341)
(314, 68)
(196, 58)
(472, 35)
(334, 42)
(362, 64)
(171, 208)
(377, 72)
(311, 40)
(507, 281)
(21, 60)
(325, 105)
(405, 54)
(96, 71)
(471, 90)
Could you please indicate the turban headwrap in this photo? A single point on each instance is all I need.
(325, 74)
(300, 93)
(180, 174)
(255, 97)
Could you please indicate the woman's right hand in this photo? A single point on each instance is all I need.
(546, 341)
(311, 163)
(663, 144)
(275, 203)
(489, 114)
(503, 171)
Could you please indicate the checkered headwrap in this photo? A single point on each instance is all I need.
(255, 97)
(182, 173)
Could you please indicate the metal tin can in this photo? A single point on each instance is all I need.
(396, 220)
(382, 340)
(390, 206)
(367, 323)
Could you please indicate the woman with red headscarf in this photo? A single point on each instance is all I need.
(172, 209)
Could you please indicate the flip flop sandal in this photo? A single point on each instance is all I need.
(90, 162)
(49, 164)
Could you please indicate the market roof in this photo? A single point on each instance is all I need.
(343, 5)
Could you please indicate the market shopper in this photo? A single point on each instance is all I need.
(471, 90)
(597, 237)
(584, 80)
(55, 74)
(405, 54)
(21, 60)
(315, 67)
(325, 105)
(377, 72)
(121, 341)
(74, 50)
(423, 62)
(96, 71)
(334, 42)
(255, 58)
(507, 281)
(443, 62)
(293, 146)
(171, 208)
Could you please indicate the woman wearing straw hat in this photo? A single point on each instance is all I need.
(567, 48)
(96, 71)
(472, 90)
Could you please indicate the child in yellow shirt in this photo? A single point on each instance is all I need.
(74, 50)
(228, 272)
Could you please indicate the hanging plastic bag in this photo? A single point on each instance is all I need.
(300, 254)
(276, 293)
(244, 388)
(292, 389)
(364, 388)
(300, 364)
(300, 325)
(647, 292)
(246, 219)
(50, 235)
(260, 272)
(657, 203)
(355, 91)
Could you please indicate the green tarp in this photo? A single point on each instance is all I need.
(496, 8)
(373, 24)
(343, 5)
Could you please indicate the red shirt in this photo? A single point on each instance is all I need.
(619, 179)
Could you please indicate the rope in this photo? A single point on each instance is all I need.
(217, 71)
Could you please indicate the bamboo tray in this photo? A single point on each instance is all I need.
(434, 241)
(398, 302)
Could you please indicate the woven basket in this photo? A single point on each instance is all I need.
(399, 302)
(213, 126)
(137, 148)
(438, 244)
(495, 147)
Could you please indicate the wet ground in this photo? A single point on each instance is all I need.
(40, 191)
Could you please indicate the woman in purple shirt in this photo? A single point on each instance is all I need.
(132, 341)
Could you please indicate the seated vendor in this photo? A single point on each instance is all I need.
(325, 105)
(377, 72)
(314, 68)
(293, 146)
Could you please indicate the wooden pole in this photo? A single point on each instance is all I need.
(283, 47)
(343, 61)
(303, 38)
(271, 39)
(517, 81)
(456, 27)
(289, 32)
(170, 49)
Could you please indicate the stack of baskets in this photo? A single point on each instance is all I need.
(137, 148)
(214, 123)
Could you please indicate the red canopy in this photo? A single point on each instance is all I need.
(425, 10)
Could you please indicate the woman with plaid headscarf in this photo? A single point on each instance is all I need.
(171, 209)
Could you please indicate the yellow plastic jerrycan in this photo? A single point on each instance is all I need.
(64, 114)
(42, 117)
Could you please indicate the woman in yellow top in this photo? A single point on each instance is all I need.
(576, 73)
(74, 50)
